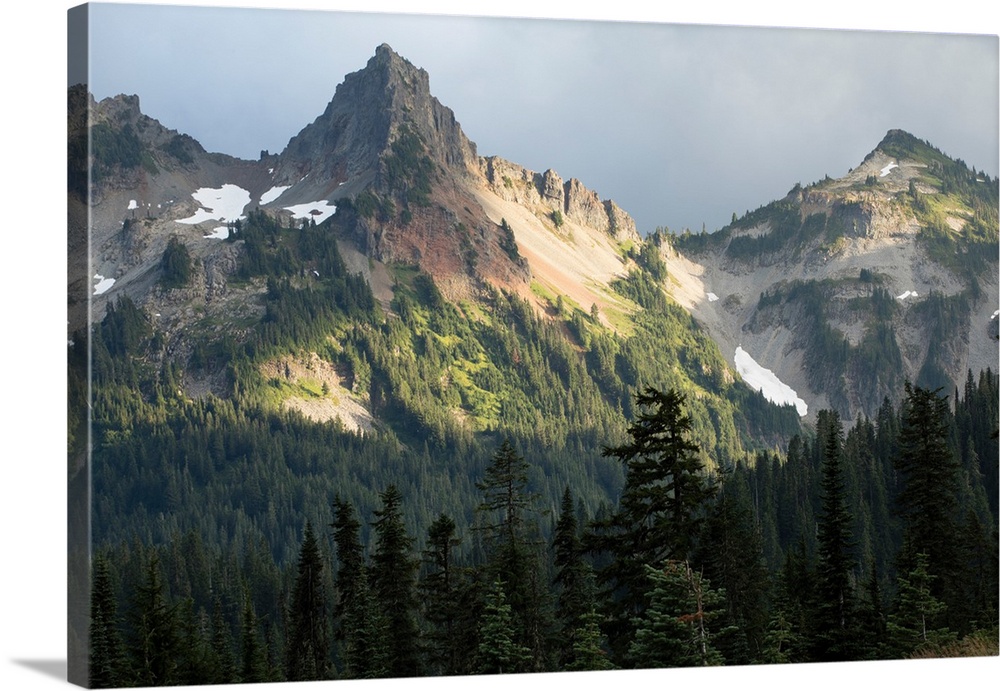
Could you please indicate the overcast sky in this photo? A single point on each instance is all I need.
(680, 124)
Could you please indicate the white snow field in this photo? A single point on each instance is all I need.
(885, 171)
(273, 194)
(907, 294)
(767, 383)
(224, 203)
(220, 233)
(712, 297)
(320, 211)
(132, 204)
(103, 284)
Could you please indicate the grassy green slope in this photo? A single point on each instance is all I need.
(445, 383)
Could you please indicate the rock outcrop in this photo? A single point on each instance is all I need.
(547, 190)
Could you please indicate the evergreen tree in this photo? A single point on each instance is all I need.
(505, 500)
(513, 556)
(872, 619)
(674, 631)
(792, 625)
(175, 264)
(572, 581)
(588, 652)
(660, 511)
(780, 640)
(927, 500)
(223, 660)
(393, 582)
(350, 555)
(195, 663)
(107, 649)
(498, 652)
(975, 600)
(835, 612)
(365, 633)
(915, 623)
(154, 643)
(443, 591)
(731, 552)
(307, 647)
(253, 660)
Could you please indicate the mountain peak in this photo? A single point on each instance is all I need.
(900, 143)
(385, 53)
(397, 70)
(365, 115)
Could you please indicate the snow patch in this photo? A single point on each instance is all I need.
(132, 204)
(320, 211)
(220, 233)
(103, 284)
(995, 314)
(885, 171)
(765, 381)
(224, 203)
(272, 194)
(907, 294)
(712, 297)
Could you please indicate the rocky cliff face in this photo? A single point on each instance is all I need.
(849, 287)
(547, 190)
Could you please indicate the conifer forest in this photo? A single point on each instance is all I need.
(591, 522)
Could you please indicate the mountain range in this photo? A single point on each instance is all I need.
(844, 289)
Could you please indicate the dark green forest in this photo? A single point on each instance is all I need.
(878, 542)
(536, 495)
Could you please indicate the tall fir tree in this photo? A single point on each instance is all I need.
(731, 553)
(835, 616)
(513, 556)
(573, 581)
(195, 663)
(660, 511)
(222, 657)
(108, 664)
(872, 619)
(928, 496)
(307, 645)
(350, 555)
(154, 641)
(366, 646)
(444, 593)
(393, 573)
(253, 654)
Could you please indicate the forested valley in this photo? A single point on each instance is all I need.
(603, 500)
